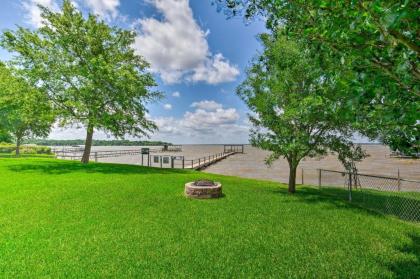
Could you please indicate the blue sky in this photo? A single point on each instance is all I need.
(197, 56)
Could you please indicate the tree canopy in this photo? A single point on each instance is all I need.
(90, 71)
(377, 40)
(5, 136)
(25, 111)
(297, 109)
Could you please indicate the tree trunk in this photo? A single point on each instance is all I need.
(18, 140)
(88, 145)
(292, 178)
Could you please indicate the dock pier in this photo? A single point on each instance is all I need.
(151, 157)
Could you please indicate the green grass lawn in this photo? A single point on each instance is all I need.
(63, 219)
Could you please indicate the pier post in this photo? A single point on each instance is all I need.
(302, 176)
(350, 185)
(319, 178)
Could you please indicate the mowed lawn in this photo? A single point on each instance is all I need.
(60, 219)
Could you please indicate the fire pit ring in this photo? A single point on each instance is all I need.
(203, 189)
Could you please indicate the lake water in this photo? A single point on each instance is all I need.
(251, 163)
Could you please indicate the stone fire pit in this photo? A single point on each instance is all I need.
(203, 189)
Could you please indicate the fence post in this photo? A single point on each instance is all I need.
(183, 162)
(160, 157)
(399, 180)
(350, 185)
(302, 176)
(172, 162)
(96, 156)
(319, 178)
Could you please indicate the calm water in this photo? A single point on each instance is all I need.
(251, 163)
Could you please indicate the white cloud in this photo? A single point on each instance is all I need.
(207, 105)
(177, 47)
(176, 94)
(213, 124)
(167, 106)
(200, 125)
(202, 119)
(215, 71)
(75, 132)
(107, 9)
(33, 13)
(168, 126)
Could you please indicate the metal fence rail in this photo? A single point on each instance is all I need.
(385, 194)
(78, 153)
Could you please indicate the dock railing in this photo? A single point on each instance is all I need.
(180, 162)
(151, 158)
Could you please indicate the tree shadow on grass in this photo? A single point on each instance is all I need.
(311, 195)
(393, 203)
(378, 205)
(64, 167)
(409, 267)
(403, 205)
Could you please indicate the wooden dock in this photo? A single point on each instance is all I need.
(202, 163)
(152, 158)
(180, 162)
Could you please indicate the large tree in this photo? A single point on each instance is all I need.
(297, 109)
(25, 111)
(377, 40)
(90, 71)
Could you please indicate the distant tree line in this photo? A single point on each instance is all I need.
(54, 142)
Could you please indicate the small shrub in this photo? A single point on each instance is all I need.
(7, 147)
(24, 149)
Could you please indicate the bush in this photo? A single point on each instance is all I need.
(24, 149)
(7, 147)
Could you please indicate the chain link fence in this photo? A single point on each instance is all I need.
(387, 195)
